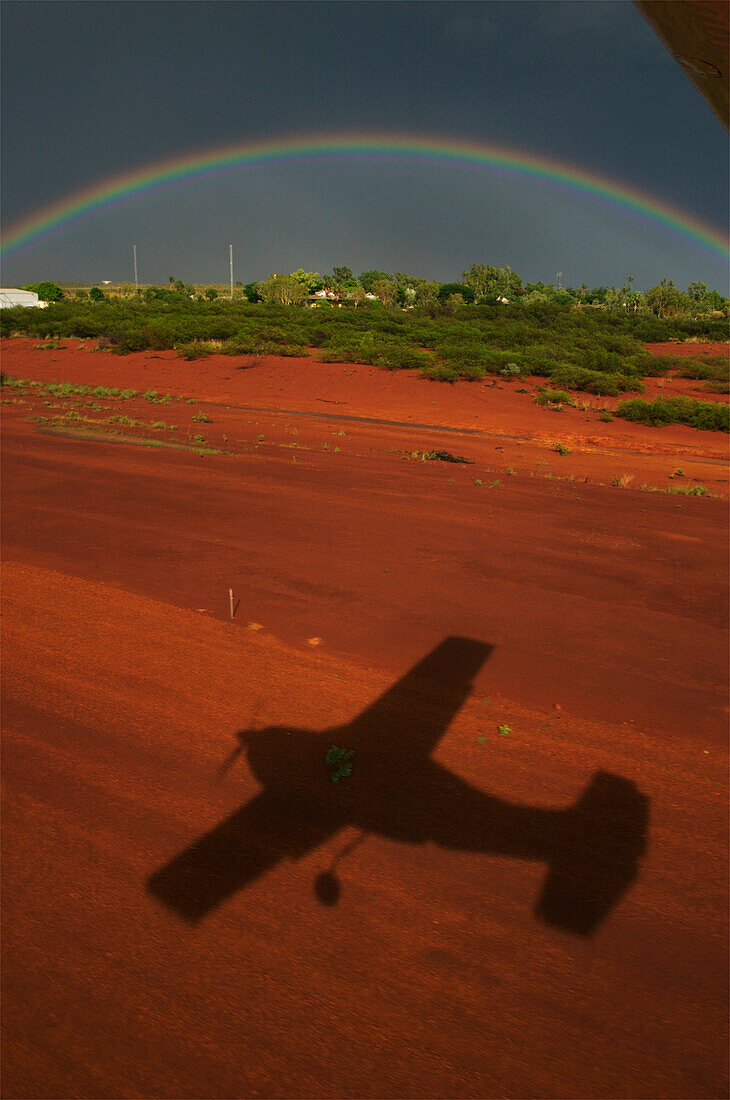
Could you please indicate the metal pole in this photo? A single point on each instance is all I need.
(230, 248)
(136, 288)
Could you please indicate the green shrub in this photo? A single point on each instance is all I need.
(439, 372)
(339, 761)
(650, 330)
(196, 350)
(256, 345)
(593, 381)
(705, 415)
(401, 357)
(715, 368)
(469, 359)
(689, 490)
(554, 397)
(333, 355)
(602, 348)
(127, 342)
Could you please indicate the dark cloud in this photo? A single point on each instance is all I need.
(474, 29)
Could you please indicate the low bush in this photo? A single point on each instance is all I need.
(196, 350)
(255, 345)
(705, 415)
(125, 342)
(554, 397)
(711, 368)
(650, 330)
(440, 372)
(602, 348)
(334, 355)
(593, 381)
(401, 357)
(291, 351)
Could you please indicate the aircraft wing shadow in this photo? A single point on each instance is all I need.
(235, 853)
(436, 688)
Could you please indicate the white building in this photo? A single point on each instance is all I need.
(10, 297)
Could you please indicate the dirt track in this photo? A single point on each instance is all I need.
(436, 972)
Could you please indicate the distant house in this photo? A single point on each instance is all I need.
(323, 296)
(11, 296)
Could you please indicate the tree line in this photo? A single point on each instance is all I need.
(480, 284)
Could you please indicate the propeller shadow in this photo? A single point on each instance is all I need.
(592, 849)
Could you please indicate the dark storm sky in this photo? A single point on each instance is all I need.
(100, 87)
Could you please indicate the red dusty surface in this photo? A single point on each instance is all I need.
(387, 936)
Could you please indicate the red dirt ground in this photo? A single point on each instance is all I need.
(126, 682)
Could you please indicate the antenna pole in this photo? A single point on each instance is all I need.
(136, 288)
(230, 257)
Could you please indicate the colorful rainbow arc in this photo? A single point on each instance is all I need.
(179, 169)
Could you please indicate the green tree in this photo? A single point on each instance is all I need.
(715, 301)
(251, 293)
(427, 293)
(454, 302)
(211, 293)
(368, 279)
(355, 295)
(697, 291)
(487, 281)
(447, 289)
(180, 287)
(480, 277)
(342, 275)
(708, 301)
(46, 291)
(96, 294)
(283, 289)
(665, 300)
(386, 291)
(310, 280)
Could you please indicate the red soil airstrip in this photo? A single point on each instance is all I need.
(126, 682)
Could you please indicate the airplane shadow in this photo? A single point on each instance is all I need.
(592, 849)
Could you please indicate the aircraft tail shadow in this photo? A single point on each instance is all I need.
(596, 854)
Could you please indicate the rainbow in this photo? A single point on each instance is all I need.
(166, 173)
